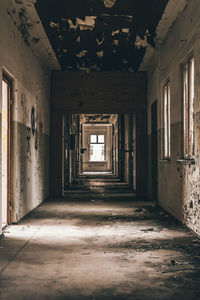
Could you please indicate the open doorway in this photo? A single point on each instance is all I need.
(90, 146)
(96, 149)
(5, 150)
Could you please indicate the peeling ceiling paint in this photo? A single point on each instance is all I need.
(109, 3)
(95, 118)
(100, 35)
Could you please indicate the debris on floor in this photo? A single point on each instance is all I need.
(91, 249)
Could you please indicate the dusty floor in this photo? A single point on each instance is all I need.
(99, 249)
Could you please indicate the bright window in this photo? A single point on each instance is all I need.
(97, 147)
(166, 120)
(188, 108)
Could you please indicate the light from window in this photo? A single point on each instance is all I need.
(188, 108)
(100, 138)
(97, 147)
(166, 120)
(93, 138)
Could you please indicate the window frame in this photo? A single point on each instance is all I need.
(99, 143)
(188, 107)
(166, 101)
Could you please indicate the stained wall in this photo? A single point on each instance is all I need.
(30, 113)
(178, 179)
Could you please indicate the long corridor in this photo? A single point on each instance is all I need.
(98, 249)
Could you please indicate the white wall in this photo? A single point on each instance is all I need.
(178, 183)
(31, 88)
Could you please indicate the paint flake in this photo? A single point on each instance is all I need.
(54, 24)
(109, 3)
(81, 53)
(100, 54)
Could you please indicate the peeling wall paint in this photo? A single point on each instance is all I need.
(178, 180)
(30, 113)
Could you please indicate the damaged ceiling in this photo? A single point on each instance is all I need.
(100, 35)
(95, 118)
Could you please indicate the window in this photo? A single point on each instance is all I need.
(166, 120)
(188, 108)
(97, 147)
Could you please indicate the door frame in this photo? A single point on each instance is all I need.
(8, 80)
(154, 150)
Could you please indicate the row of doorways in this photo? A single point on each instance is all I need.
(100, 145)
(105, 145)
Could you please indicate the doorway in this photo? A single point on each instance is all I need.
(96, 148)
(154, 151)
(5, 150)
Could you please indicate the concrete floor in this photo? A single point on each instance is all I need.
(99, 249)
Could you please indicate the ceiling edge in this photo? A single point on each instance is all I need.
(172, 11)
(37, 38)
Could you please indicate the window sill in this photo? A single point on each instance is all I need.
(185, 161)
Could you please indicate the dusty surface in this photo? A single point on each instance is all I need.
(73, 249)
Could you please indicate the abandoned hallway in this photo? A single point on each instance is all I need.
(97, 248)
(100, 149)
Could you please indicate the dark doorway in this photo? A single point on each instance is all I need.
(154, 151)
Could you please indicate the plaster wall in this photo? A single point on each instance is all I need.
(30, 114)
(178, 181)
